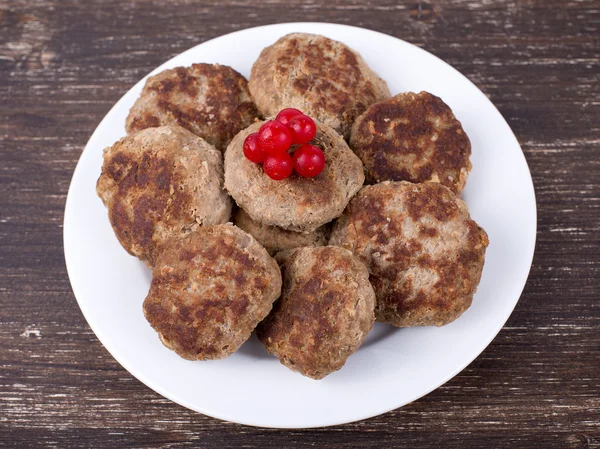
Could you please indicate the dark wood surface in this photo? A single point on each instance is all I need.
(63, 64)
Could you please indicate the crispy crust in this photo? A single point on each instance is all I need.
(322, 77)
(210, 100)
(276, 239)
(209, 290)
(424, 254)
(296, 203)
(412, 137)
(325, 310)
(161, 182)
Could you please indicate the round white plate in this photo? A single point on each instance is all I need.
(394, 366)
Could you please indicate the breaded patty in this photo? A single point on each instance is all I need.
(210, 100)
(161, 182)
(412, 137)
(323, 78)
(296, 203)
(209, 290)
(276, 239)
(424, 253)
(325, 311)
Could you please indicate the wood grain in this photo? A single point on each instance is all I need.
(63, 64)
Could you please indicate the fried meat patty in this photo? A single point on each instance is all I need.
(323, 78)
(210, 100)
(276, 239)
(325, 311)
(209, 290)
(161, 182)
(296, 203)
(424, 253)
(412, 137)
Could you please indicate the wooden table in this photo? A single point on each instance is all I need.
(63, 64)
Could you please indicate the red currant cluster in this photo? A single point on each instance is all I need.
(271, 143)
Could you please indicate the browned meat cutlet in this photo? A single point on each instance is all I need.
(424, 253)
(161, 182)
(276, 239)
(324, 313)
(323, 78)
(412, 137)
(296, 203)
(210, 100)
(209, 290)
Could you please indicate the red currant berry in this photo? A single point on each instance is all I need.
(278, 167)
(252, 149)
(303, 129)
(309, 161)
(274, 137)
(285, 115)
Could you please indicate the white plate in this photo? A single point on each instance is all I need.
(394, 367)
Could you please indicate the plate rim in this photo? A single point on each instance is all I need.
(182, 401)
